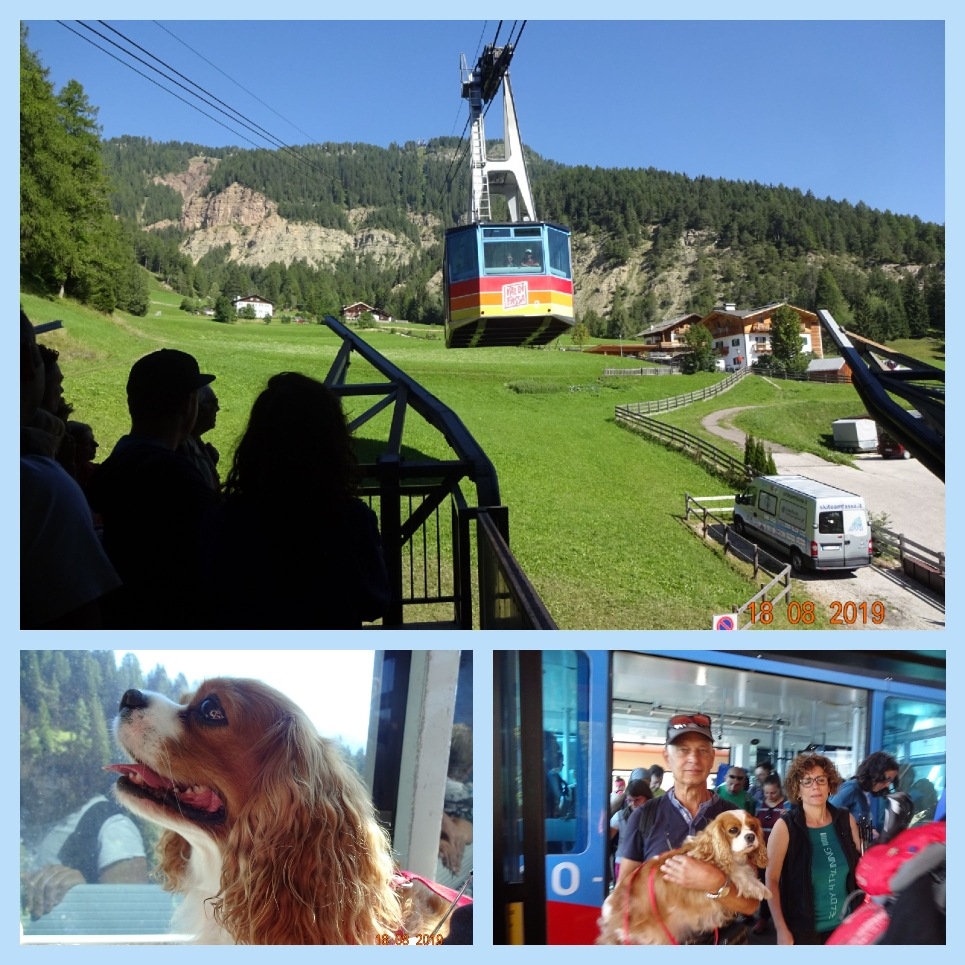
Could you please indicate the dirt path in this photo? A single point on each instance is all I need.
(712, 423)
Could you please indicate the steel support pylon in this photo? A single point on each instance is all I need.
(507, 176)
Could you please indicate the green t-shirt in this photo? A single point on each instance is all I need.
(741, 799)
(829, 877)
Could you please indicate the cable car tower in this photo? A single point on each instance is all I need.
(505, 177)
(507, 282)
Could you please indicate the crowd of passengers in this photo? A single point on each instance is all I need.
(153, 538)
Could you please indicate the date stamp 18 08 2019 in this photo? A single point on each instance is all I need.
(404, 938)
(843, 614)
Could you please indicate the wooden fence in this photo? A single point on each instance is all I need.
(925, 565)
(831, 378)
(654, 370)
(697, 448)
(675, 402)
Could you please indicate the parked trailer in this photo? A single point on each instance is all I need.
(855, 435)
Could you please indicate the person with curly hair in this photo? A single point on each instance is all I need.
(862, 794)
(292, 546)
(812, 854)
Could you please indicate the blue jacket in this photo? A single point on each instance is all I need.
(850, 796)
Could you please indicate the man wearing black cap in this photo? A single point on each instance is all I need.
(152, 498)
(664, 823)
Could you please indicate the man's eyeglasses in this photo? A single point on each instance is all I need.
(689, 720)
(808, 781)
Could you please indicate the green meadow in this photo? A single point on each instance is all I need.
(595, 511)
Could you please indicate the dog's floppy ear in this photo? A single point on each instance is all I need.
(711, 845)
(305, 862)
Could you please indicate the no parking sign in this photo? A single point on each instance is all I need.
(725, 621)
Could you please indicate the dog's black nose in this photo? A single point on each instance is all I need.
(132, 700)
(750, 837)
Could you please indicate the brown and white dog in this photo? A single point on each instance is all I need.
(733, 842)
(270, 836)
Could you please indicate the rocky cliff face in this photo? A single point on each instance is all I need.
(189, 183)
(258, 235)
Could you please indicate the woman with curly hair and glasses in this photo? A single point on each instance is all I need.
(292, 546)
(812, 853)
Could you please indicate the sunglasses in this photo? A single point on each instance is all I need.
(689, 720)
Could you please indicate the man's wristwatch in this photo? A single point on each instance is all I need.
(723, 891)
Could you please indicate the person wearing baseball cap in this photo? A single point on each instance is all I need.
(664, 823)
(152, 497)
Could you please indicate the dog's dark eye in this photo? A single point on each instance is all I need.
(733, 829)
(210, 710)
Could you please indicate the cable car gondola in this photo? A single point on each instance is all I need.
(507, 282)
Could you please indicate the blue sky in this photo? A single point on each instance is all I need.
(847, 109)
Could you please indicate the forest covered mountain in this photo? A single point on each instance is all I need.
(647, 244)
(319, 226)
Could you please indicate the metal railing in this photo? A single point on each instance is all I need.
(428, 552)
(688, 398)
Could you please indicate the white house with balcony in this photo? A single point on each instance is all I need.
(263, 307)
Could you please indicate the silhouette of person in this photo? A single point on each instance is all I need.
(292, 546)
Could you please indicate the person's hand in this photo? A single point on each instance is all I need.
(687, 872)
(784, 936)
(45, 889)
(452, 842)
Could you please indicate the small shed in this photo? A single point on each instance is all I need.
(833, 369)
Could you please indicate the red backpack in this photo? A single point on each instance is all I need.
(883, 872)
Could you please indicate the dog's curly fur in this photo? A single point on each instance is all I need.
(293, 855)
(733, 842)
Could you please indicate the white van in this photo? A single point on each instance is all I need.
(822, 528)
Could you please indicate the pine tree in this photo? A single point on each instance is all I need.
(913, 302)
(749, 450)
(771, 467)
(786, 337)
(828, 296)
(760, 457)
(70, 242)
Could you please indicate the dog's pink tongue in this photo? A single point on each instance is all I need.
(204, 800)
(149, 777)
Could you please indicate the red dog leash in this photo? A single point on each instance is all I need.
(653, 908)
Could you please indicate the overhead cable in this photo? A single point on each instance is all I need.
(275, 142)
(153, 81)
(311, 139)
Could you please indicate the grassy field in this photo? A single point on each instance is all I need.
(595, 510)
(795, 414)
(930, 350)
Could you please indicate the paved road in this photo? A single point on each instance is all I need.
(902, 488)
(912, 497)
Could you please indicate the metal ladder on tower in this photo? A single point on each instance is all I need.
(480, 180)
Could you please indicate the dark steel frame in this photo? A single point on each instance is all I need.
(507, 598)
(923, 437)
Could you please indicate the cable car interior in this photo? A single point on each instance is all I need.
(507, 282)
